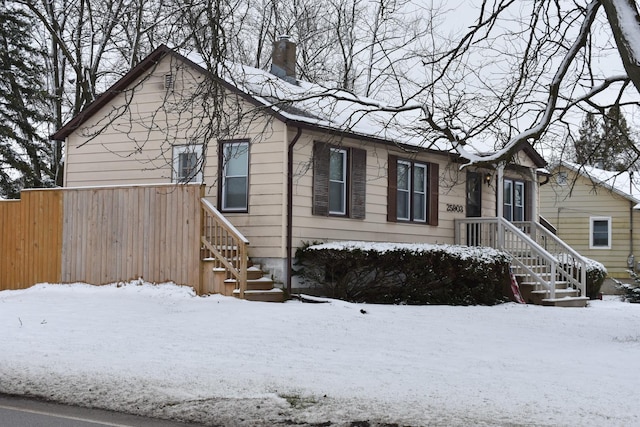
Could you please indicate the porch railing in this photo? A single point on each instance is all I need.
(224, 243)
(539, 254)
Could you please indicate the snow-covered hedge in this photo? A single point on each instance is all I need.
(404, 273)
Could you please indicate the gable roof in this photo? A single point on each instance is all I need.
(625, 183)
(306, 105)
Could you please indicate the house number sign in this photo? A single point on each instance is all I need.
(455, 208)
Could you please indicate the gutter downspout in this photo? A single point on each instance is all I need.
(631, 259)
(290, 207)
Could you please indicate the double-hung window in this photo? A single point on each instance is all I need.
(234, 167)
(187, 163)
(339, 181)
(600, 233)
(413, 191)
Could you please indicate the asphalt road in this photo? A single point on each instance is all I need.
(21, 412)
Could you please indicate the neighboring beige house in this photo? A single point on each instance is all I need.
(289, 162)
(596, 212)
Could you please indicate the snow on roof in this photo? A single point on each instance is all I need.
(624, 183)
(335, 109)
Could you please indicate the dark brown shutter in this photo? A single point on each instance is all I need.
(434, 191)
(358, 183)
(392, 188)
(321, 155)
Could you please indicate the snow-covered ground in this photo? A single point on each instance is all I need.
(158, 350)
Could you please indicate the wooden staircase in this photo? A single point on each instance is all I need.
(259, 287)
(226, 267)
(549, 272)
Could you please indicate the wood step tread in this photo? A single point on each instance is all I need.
(265, 291)
(261, 279)
(271, 295)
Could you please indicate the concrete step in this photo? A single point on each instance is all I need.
(566, 302)
(538, 296)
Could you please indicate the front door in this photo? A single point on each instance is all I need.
(514, 200)
(474, 207)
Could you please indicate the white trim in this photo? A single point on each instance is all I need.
(182, 149)
(591, 221)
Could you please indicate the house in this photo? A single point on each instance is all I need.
(286, 162)
(596, 212)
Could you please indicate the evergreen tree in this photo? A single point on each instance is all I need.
(587, 146)
(617, 141)
(24, 152)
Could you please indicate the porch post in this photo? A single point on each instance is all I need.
(534, 198)
(500, 190)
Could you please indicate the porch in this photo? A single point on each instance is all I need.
(549, 272)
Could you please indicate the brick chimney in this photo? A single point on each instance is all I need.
(283, 59)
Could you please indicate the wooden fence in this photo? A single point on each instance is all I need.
(101, 235)
(30, 239)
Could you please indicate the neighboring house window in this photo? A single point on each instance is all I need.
(234, 174)
(187, 163)
(561, 178)
(600, 232)
(514, 200)
(412, 191)
(339, 181)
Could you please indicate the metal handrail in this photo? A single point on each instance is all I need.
(227, 245)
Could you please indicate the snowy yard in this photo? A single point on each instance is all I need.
(160, 351)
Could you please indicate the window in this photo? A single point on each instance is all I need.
(187, 163)
(339, 181)
(600, 231)
(514, 200)
(234, 188)
(561, 178)
(413, 191)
